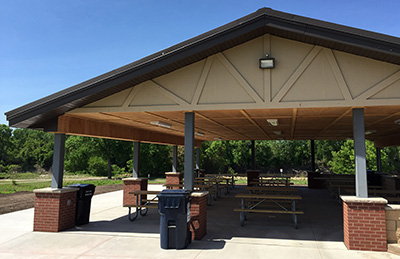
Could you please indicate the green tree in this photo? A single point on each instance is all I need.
(263, 154)
(215, 156)
(78, 151)
(155, 160)
(6, 145)
(115, 152)
(391, 160)
(323, 152)
(33, 147)
(343, 160)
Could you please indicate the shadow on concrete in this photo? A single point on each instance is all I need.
(322, 221)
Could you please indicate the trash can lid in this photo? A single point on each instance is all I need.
(80, 185)
(169, 192)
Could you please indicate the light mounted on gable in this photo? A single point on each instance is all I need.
(267, 62)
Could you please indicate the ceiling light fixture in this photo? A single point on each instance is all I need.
(397, 121)
(199, 134)
(218, 138)
(161, 124)
(278, 133)
(369, 132)
(273, 122)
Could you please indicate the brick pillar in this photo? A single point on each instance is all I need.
(130, 185)
(54, 209)
(174, 178)
(364, 223)
(252, 176)
(198, 212)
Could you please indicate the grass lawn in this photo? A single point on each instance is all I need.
(15, 182)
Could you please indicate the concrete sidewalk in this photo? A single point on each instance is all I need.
(111, 235)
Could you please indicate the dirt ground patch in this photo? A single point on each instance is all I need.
(25, 200)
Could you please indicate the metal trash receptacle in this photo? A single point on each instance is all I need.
(174, 209)
(83, 202)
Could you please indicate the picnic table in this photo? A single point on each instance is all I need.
(250, 203)
(198, 187)
(272, 181)
(271, 190)
(142, 204)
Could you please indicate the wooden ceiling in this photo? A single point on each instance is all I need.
(251, 124)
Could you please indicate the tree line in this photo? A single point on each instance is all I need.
(23, 150)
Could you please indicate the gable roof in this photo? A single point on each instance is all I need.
(40, 113)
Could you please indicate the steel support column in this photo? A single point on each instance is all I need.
(253, 155)
(378, 159)
(359, 153)
(58, 161)
(189, 151)
(197, 158)
(174, 158)
(312, 144)
(136, 159)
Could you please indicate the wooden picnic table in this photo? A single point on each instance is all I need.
(250, 202)
(142, 204)
(268, 189)
(272, 181)
(198, 187)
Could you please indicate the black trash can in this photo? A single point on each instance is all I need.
(174, 209)
(83, 201)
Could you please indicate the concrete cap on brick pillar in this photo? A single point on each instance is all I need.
(173, 173)
(55, 190)
(393, 207)
(354, 199)
(134, 179)
(199, 194)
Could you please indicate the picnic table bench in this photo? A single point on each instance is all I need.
(251, 202)
(198, 187)
(272, 181)
(267, 189)
(142, 204)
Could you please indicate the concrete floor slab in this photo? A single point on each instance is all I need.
(111, 235)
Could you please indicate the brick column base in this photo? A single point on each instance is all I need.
(364, 223)
(174, 178)
(131, 185)
(198, 211)
(252, 176)
(54, 209)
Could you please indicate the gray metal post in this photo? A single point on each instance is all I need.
(359, 153)
(197, 158)
(58, 161)
(136, 159)
(189, 151)
(174, 158)
(253, 155)
(378, 159)
(312, 144)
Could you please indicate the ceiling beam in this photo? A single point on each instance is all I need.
(334, 121)
(387, 141)
(384, 118)
(183, 124)
(294, 117)
(255, 123)
(220, 124)
(85, 127)
(174, 131)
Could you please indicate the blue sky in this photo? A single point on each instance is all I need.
(49, 45)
